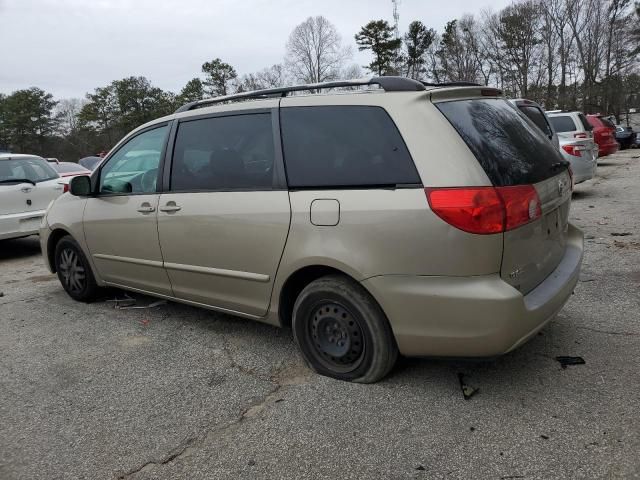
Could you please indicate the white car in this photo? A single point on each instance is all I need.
(28, 184)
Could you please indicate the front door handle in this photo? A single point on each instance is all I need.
(170, 207)
(146, 208)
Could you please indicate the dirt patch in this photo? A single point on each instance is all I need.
(42, 278)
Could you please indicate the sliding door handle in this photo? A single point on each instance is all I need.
(146, 208)
(170, 207)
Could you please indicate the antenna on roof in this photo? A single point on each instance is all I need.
(396, 18)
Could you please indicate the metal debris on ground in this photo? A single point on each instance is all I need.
(467, 390)
(129, 303)
(566, 361)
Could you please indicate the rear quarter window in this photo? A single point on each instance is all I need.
(510, 149)
(563, 123)
(344, 146)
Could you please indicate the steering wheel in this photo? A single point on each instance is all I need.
(148, 180)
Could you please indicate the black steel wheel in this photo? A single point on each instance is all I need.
(336, 336)
(74, 271)
(342, 332)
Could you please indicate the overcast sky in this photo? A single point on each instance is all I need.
(70, 47)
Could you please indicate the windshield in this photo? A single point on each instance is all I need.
(33, 169)
(510, 148)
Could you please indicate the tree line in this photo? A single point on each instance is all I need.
(565, 54)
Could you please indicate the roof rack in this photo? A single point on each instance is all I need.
(452, 84)
(388, 84)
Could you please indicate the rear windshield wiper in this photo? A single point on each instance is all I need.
(558, 165)
(18, 180)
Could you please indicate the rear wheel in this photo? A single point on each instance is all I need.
(342, 332)
(74, 271)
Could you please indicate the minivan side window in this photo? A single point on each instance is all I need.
(134, 167)
(344, 146)
(224, 153)
(562, 123)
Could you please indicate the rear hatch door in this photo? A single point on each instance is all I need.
(513, 151)
(27, 184)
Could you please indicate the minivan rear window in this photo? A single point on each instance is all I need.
(562, 123)
(344, 146)
(510, 148)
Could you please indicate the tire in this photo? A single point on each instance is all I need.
(74, 271)
(342, 332)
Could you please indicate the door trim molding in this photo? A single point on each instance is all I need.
(135, 261)
(220, 272)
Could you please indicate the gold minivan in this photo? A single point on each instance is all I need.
(391, 217)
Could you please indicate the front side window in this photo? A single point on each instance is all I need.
(344, 146)
(32, 169)
(562, 123)
(134, 167)
(224, 153)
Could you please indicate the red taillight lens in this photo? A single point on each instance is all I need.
(65, 188)
(572, 150)
(485, 210)
(521, 204)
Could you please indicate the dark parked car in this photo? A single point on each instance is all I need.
(626, 137)
(90, 162)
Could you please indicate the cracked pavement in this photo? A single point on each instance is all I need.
(174, 392)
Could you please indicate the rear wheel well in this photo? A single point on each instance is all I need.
(295, 284)
(53, 240)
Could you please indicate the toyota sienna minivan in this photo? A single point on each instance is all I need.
(395, 217)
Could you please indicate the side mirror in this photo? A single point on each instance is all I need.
(80, 186)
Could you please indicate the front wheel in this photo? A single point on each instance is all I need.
(342, 332)
(74, 271)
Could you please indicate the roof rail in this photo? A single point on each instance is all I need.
(389, 84)
(452, 84)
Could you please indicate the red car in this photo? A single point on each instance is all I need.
(604, 134)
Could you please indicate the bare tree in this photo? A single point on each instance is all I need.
(314, 51)
(66, 114)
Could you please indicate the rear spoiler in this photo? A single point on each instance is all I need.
(463, 93)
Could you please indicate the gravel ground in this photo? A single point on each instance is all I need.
(89, 391)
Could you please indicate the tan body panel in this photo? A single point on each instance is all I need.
(223, 248)
(123, 242)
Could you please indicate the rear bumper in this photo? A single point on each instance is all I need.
(607, 148)
(583, 169)
(16, 225)
(479, 316)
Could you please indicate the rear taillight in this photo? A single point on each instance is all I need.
(580, 135)
(65, 188)
(485, 210)
(573, 150)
